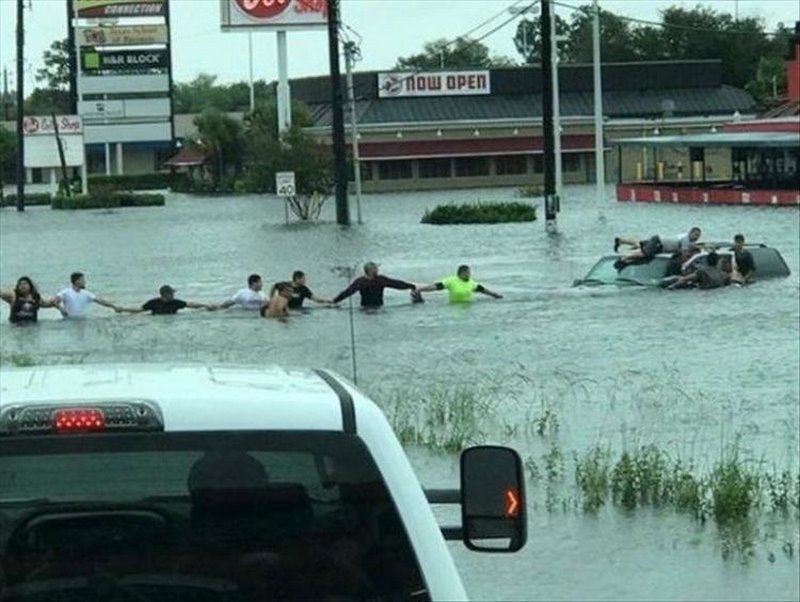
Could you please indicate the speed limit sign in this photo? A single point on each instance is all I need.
(284, 183)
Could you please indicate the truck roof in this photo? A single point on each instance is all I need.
(195, 397)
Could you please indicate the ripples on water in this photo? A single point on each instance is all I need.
(688, 371)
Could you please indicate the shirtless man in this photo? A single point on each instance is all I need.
(278, 305)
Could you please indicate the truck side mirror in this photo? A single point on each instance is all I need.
(493, 515)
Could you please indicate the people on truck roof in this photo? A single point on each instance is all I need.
(645, 250)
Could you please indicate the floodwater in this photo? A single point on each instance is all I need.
(696, 373)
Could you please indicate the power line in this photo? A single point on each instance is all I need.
(471, 42)
(584, 8)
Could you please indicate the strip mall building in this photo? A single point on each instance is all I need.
(484, 128)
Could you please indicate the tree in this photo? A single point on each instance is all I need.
(615, 39)
(463, 53)
(528, 38)
(685, 34)
(221, 138)
(769, 81)
(296, 151)
(56, 70)
(203, 92)
(45, 101)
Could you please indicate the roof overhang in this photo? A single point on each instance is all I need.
(727, 140)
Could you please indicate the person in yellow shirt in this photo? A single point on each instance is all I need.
(461, 287)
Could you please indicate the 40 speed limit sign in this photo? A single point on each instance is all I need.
(284, 183)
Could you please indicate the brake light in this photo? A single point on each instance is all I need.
(79, 420)
(81, 417)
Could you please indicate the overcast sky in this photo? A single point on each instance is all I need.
(389, 28)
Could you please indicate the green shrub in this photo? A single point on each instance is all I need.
(145, 181)
(481, 213)
(36, 198)
(116, 199)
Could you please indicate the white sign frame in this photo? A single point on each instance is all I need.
(407, 84)
(297, 15)
(285, 184)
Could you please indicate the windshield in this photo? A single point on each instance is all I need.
(644, 273)
(273, 516)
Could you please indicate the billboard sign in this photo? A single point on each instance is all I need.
(435, 83)
(42, 125)
(122, 36)
(93, 62)
(273, 14)
(88, 9)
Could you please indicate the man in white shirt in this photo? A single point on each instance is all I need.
(647, 249)
(74, 300)
(251, 297)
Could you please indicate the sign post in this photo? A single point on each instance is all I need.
(285, 187)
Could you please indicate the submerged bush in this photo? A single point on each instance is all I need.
(481, 213)
(35, 198)
(108, 200)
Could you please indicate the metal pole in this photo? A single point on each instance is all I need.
(284, 98)
(349, 49)
(339, 154)
(71, 50)
(550, 196)
(168, 23)
(599, 157)
(5, 94)
(250, 63)
(556, 107)
(20, 107)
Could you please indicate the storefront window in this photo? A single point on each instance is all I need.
(467, 167)
(510, 165)
(394, 170)
(435, 168)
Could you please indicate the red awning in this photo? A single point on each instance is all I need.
(186, 157)
(416, 149)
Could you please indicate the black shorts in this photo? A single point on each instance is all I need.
(651, 248)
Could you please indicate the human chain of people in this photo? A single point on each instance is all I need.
(74, 300)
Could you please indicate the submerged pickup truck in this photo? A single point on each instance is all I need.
(769, 264)
(195, 484)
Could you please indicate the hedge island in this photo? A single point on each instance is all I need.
(481, 213)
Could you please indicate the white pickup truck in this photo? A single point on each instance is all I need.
(190, 483)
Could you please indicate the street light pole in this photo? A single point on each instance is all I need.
(250, 65)
(350, 50)
(599, 158)
(556, 107)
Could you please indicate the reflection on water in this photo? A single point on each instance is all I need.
(691, 372)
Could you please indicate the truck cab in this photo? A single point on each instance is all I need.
(220, 483)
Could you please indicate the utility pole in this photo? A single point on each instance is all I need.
(20, 106)
(551, 200)
(599, 157)
(250, 64)
(351, 51)
(5, 94)
(556, 106)
(73, 60)
(339, 153)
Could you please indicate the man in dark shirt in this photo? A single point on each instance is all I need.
(745, 264)
(715, 274)
(164, 304)
(371, 286)
(300, 291)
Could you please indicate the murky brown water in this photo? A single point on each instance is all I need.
(692, 372)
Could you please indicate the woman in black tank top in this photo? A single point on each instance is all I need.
(25, 302)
